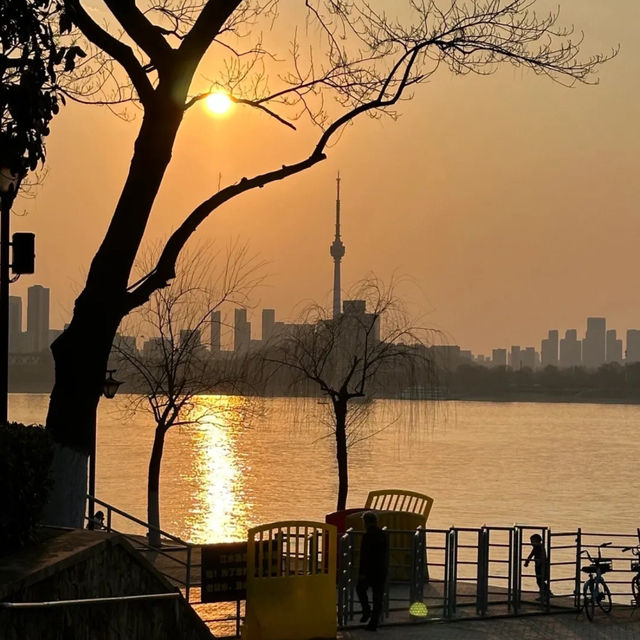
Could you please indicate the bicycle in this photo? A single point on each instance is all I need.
(595, 589)
(635, 581)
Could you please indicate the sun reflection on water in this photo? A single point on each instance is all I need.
(220, 506)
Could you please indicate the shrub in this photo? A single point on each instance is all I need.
(26, 453)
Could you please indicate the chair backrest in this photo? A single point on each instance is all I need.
(399, 500)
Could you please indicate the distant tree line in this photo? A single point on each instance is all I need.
(610, 382)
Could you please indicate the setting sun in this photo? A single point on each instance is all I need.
(218, 102)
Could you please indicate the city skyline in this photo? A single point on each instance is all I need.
(228, 333)
(492, 195)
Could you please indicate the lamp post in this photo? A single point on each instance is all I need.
(8, 182)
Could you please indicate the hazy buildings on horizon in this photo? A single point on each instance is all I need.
(38, 336)
(599, 346)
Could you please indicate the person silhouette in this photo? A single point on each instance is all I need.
(373, 570)
(97, 522)
(539, 557)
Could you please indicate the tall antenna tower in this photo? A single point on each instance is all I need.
(337, 253)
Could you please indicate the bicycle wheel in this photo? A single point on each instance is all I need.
(635, 588)
(588, 600)
(603, 596)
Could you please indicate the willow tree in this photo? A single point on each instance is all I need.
(322, 64)
(180, 362)
(370, 350)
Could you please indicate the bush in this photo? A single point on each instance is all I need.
(26, 453)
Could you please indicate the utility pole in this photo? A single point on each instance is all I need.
(8, 181)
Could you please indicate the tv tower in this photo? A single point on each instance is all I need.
(337, 252)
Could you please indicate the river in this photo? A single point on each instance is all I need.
(559, 465)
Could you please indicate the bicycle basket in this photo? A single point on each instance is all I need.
(605, 565)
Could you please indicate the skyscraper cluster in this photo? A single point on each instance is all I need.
(598, 346)
(38, 335)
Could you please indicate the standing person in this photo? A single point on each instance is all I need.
(539, 556)
(373, 570)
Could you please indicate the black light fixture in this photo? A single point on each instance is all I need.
(8, 180)
(110, 385)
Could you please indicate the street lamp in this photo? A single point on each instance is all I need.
(110, 385)
(8, 184)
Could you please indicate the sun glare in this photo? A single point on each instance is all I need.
(218, 103)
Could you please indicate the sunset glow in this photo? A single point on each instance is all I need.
(218, 102)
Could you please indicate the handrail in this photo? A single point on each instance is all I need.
(146, 547)
(142, 523)
(60, 603)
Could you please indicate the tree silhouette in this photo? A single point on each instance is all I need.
(368, 349)
(169, 377)
(323, 64)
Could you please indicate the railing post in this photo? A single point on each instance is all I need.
(482, 596)
(188, 580)
(516, 573)
(576, 591)
(547, 571)
(385, 595)
(416, 587)
(451, 573)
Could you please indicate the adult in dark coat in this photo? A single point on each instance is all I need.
(373, 570)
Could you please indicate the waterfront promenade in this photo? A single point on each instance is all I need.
(619, 625)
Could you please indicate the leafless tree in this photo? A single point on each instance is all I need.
(179, 366)
(352, 359)
(321, 63)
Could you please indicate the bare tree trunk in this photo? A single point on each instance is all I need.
(153, 486)
(340, 410)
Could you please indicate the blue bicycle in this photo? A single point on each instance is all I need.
(595, 590)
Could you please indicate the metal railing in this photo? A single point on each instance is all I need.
(480, 572)
(169, 546)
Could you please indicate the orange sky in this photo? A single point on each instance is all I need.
(510, 202)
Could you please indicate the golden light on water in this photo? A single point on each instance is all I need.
(222, 506)
(218, 102)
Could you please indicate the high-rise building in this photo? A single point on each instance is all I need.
(445, 356)
(15, 325)
(190, 339)
(515, 358)
(38, 318)
(529, 358)
(614, 347)
(633, 345)
(594, 343)
(549, 349)
(268, 323)
(241, 331)
(337, 251)
(216, 331)
(499, 357)
(570, 349)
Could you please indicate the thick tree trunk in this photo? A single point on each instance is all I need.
(153, 487)
(340, 410)
(81, 353)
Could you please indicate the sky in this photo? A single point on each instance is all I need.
(507, 204)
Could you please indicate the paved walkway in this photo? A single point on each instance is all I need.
(620, 625)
